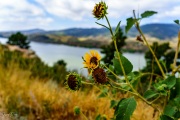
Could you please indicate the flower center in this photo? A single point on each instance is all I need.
(93, 60)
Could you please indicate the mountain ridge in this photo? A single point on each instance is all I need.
(157, 30)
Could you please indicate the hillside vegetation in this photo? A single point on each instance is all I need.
(36, 95)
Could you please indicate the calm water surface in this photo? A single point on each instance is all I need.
(50, 53)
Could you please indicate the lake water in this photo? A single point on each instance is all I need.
(50, 53)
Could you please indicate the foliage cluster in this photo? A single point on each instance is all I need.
(37, 68)
(19, 39)
(25, 97)
(162, 89)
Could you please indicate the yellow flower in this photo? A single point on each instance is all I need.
(91, 60)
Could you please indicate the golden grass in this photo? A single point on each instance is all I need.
(45, 99)
(36, 99)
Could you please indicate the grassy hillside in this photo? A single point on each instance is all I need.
(28, 97)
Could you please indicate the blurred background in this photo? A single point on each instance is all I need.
(41, 41)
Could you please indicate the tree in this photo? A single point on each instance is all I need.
(109, 50)
(19, 39)
(164, 53)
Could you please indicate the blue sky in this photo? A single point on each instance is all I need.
(62, 14)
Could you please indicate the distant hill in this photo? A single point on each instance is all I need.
(160, 31)
(82, 32)
(97, 37)
(157, 30)
(26, 32)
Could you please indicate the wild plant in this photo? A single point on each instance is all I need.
(163, 91)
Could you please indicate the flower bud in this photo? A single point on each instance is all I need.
(99, 75)
(73, 81)
(100, 10)
(77, 110)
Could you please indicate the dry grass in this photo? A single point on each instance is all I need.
(35, 99)
(41, 100)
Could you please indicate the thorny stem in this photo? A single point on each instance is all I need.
(144, 38)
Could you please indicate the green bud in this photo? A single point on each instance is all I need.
(77, 110)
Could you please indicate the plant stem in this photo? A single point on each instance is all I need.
(139, 96)
(122, 67)
(155, 99)
(110, 28)
(84, 116)
(148, 73)
(176, 54)
(125, 90)
(120, 61)
(150, 82)
(144, 38)
(119, 84)
(157, 61)
(87, 83)
(111, 72)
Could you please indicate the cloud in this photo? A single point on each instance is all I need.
(26, 14)
(20, 14)
(79, 10)
(70, 9)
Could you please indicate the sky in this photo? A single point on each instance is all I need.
(63, 14)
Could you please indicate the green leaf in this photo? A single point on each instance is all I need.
(133, 77)
(165, 117)
(177, 22)
(177, 114)
(113, 103)
(177, 86)
(177, 101)
(149, 94)
(125, 108)
(148, 14)
(102, 25)
(117, 27)
(111, 67)
(170, 110)
(128, 67)
(130, 23)
(170, 81)
(98, 117)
